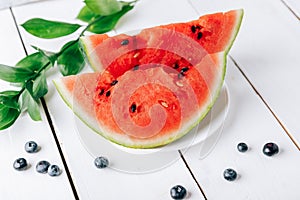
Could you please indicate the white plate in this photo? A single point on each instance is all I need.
(148, 160)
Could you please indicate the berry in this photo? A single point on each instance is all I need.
(31, 147)
(242, 147)
(230, 174)
(178, 192)
(54, 170)
(270, 149)
(20, 164)
(101, 162)
(42, 166)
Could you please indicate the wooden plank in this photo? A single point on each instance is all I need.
(27, 184)
(92, 183)
(260, 177)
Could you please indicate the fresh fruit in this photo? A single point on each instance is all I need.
(230, 174)
(152, 88)
(242, 147)
(101, 162)
(42, 166)
(54, 170)
(178, 192)
(270, 149)
(20, 164)
(31, 147)
(214, 32)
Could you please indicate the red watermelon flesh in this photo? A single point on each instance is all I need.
(214, 32)
(159, 85)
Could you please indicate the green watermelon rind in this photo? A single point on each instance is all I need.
(86, 46)
(154, 143)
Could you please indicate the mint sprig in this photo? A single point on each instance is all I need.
(29, 74)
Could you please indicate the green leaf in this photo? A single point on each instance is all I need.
(50, 56)
(107, 23)
(9, 93)
(70, 61)
(34, 61)
(9, 99)
(31, 105)
(14, 74)
(9, 108)
(49, 29)
(9, 102)
(104, 7)
(7, 116)
(86, 14)
(39, 86)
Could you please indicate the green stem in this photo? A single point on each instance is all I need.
(89, 25)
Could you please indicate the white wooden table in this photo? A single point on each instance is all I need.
(262, 79)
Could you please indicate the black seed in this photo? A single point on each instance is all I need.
(175, 66)
(114, 82)
(101, 92)
(135, 67)
(185, 69)
(107, 93)
(180, 75)
(193, 28)
(125, 42)
(199, 35)
(133, 107)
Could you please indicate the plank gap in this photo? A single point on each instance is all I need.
(290, 9)
(266, 104)
(18, 30)
(192, 174)
(49, 120)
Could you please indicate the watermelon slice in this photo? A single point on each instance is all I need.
(151, 88)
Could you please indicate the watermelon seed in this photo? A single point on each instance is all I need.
(107, 93)
(101, 92)
(185, 69)
(180, 75)
(136, 55)
(133, 107)
(114, 82)
(135, 67)
(179, 83)
(163, 103)
(199, 35)
(125, 42)
(175, 66)
(193, 28)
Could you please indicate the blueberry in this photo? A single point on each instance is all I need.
(31, 147)
(20, 164)
(230, 174)
(178, 192)
(270, 149)
(54, 170)
(101, 162)
(42, 166)
(242, 147)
